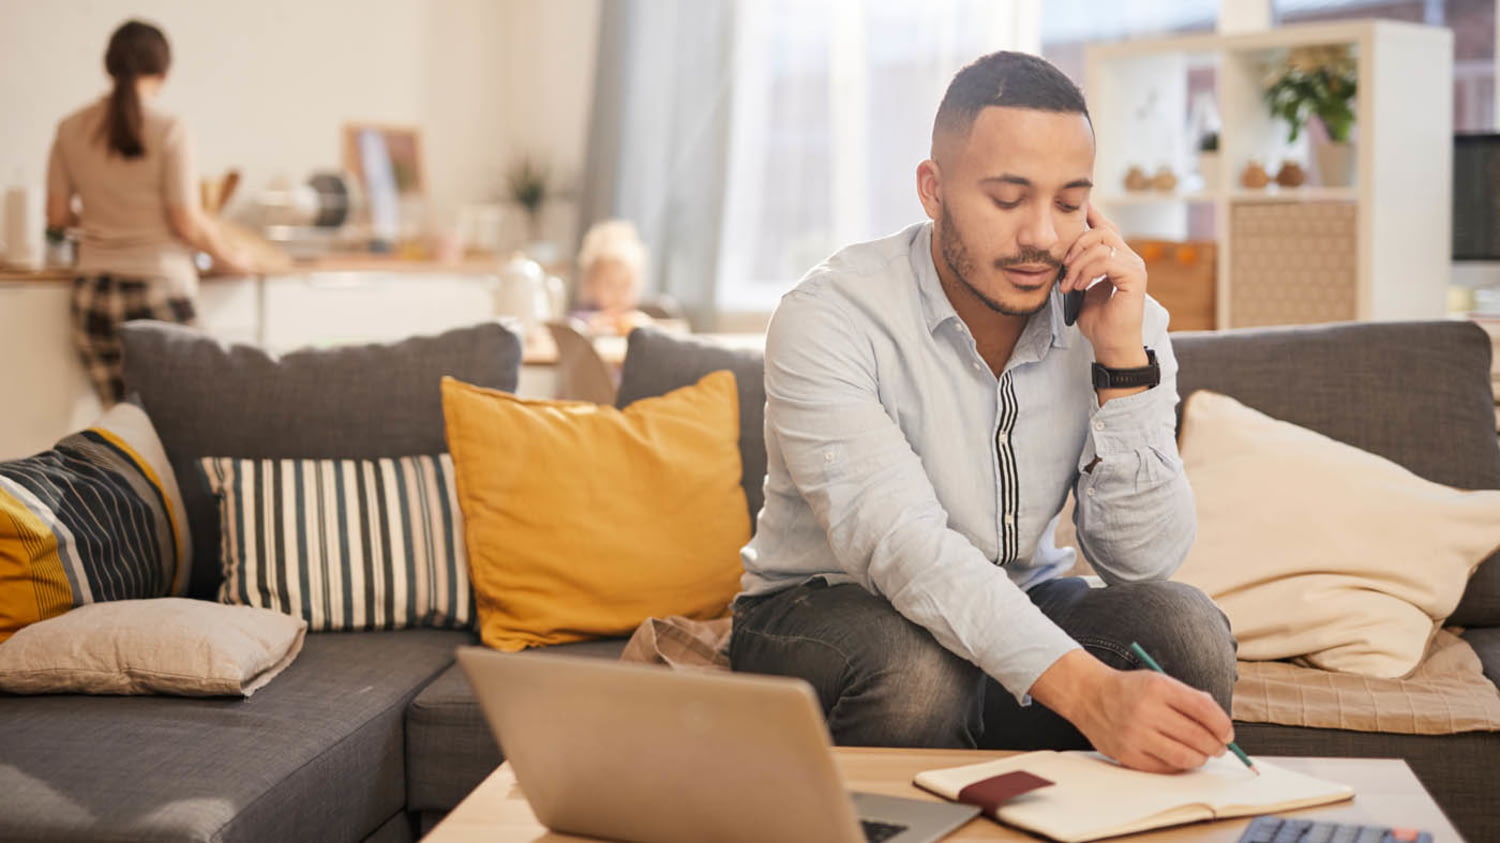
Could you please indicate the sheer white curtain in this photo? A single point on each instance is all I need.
(659, 134)
(832, 112)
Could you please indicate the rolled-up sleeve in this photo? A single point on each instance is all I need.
(59, 180)
(1135, 514)
(180, 168)
(868, 490)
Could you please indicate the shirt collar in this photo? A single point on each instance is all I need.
(1044, 329)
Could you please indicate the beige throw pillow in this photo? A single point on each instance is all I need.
(168, 645)
(1321, 551)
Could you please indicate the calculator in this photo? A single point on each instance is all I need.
(1292, 830)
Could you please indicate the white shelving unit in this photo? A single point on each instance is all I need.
(1399, 269)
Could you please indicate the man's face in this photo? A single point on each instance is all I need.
(1012, 199)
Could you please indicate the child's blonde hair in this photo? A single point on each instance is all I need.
(613, 240)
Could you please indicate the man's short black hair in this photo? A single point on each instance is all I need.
(1010, 79)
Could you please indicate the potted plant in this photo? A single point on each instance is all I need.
(529, 187)
(1319, 82)
(1208, 160)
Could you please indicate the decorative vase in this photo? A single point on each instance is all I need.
(1335, 163)
(1208, 169)
(1254, 175)
(1165, 180)
(522, 293)
(1291, 174)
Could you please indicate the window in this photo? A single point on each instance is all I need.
(1473, 25)
(833, 112)
(1070, 25)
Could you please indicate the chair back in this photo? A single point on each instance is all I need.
(664, 307)
(582, 375)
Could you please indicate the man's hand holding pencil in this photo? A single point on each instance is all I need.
(1144, 719)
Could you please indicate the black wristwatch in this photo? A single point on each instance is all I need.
(1148, 375)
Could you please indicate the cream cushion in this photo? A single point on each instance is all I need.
(1319, 551)
(168, 645)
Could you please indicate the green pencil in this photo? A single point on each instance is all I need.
(1140, 653)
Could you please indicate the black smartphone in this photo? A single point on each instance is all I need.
(1072, 301)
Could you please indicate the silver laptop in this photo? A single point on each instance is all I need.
(640, 753)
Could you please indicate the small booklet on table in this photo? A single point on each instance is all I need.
(1079, 796)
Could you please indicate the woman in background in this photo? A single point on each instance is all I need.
(132, 168)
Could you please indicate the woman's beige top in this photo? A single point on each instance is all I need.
(126, 232)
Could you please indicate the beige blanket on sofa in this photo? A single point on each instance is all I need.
(1447, 694)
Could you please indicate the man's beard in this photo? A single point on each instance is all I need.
(956, 255)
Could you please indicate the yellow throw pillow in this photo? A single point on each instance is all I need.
(1320, 551)
(583, 520)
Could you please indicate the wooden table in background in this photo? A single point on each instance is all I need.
(540, 351)
(1386, 793)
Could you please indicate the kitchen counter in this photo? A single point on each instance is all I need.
(329, 263)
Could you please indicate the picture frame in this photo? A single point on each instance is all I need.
(371, 147)
(386, 162)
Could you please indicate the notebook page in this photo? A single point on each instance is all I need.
(1102, 798)
(1094, 797)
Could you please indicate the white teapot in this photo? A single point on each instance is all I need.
(526, 292)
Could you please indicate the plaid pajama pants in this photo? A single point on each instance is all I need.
(101, 304)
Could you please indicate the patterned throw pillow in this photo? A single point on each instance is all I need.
(346, 544)
(98, 517)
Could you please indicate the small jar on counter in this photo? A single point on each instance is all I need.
(62, 251)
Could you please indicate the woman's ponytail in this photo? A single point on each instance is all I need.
(136, 49)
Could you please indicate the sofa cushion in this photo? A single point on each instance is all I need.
(583, 520)
(1292, 523)
(449, 748)
(657, 362)
(1416, 393)
(98, 517)
(317, 754)
(213, 400)
(345, 544)
(169, 645)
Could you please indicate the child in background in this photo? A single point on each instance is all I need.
(611, 267)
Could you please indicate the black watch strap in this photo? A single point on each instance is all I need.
(1148, 375)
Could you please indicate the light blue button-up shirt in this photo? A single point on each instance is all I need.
(899, 461)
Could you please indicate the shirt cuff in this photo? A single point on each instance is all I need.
(1130, 423)
(1020, 672)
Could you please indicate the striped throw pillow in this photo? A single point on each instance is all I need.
(346, 544)
(98, 517)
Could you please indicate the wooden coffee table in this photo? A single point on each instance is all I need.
(1386, 793)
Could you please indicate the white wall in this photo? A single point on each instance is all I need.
(550, 80)
(268, 84)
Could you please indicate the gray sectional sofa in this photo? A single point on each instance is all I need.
(375, 735)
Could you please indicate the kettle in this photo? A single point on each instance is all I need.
(527, 293)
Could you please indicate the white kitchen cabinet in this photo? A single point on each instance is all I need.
(229, 309)
(44, 392)
(332, 308)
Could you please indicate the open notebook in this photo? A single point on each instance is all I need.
(1092, 797)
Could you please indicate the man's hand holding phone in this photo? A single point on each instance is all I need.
(1113, 309)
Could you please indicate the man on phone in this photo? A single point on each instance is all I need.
(928, 409)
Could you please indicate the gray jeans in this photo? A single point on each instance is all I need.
(884, 681)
